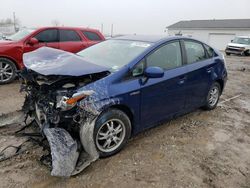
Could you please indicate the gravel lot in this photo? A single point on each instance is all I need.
(200, 149)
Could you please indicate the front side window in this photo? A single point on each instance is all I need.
(68, 35)
(49, 35)
(138, 70)
(91, 36)
(195, 51)
(166, 57)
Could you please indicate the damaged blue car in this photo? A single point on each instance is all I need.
(88, 105)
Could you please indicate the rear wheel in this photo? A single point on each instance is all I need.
(112, 131)
(7, 71)
(213, 96)
(228, 53)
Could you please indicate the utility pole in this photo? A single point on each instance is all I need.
(112, 30)
(14, 20)
(102, 27)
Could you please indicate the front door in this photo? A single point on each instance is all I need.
(161, 98)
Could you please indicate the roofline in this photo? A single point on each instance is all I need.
(127, 38)
(215, 28)
(67, 27)
(209, 21)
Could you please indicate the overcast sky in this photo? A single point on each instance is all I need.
(128, 16)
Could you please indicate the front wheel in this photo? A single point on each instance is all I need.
(213, 96)
(112, 131)
(228, 54)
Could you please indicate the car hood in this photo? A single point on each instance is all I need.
(238, 45)
(50, 61)
(6, 42)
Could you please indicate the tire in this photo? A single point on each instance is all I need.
(212, 101)
(7, 71)
(247, 53)
(228, 54)
(108, 139)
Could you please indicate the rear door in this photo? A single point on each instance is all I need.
(70, 41)
(163, 97)
(200, 70)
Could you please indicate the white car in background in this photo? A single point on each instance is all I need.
(240, 46)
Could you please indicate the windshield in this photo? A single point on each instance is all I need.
(114, 53)
(240, 40)
(20, 35)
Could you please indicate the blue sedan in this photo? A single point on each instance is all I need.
(115, 89)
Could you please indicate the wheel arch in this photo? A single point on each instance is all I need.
(125, 109)
(221, 82)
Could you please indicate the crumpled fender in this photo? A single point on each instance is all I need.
(90, 153)
(63, 151)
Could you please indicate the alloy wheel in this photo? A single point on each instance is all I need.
(6, 71)
(110, 135)
(213, 96)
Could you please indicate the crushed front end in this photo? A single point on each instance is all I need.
(51, 101)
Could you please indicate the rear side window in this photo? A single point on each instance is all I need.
(166, 57)
(68, 35)
(49, 35)
(91, 36)
(195, 51)
(210, 51)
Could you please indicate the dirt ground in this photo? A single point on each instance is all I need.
(200, 149)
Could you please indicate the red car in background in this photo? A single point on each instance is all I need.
(69, 39)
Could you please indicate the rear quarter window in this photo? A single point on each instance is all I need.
(91, 36)
(210, 51)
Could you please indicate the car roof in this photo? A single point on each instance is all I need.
(63, 27)
(146, 38)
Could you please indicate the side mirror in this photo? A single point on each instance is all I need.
(33, 41)
(154, 72)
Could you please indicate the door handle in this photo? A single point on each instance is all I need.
(182, 80)
(209, 70)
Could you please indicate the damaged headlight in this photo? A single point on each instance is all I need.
(67, 103)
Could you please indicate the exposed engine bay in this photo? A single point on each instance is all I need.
(48, 97)
(52, 103)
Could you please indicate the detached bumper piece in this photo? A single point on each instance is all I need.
(63, 151)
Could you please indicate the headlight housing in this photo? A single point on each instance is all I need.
(67, 103)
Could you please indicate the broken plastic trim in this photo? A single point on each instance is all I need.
(66, 159)
(63, 151)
